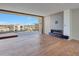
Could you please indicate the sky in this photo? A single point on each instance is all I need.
(17, 19)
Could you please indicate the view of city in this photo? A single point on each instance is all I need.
(18, 27)
(14, 23)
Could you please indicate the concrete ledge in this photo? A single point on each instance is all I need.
(8, 35)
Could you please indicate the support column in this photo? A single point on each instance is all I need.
(67, 21)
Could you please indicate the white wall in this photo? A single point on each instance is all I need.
(67, 18)
(57, 17)
(63, 19)
(75, 24)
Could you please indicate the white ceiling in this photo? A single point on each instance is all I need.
(42, 9)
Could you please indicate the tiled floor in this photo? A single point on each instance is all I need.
(33, 43)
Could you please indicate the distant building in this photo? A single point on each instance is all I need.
(18, 27)
(3, 29)
(37, 27)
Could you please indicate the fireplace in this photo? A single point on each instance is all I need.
(58, 33)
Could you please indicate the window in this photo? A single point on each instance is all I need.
(15, 23)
